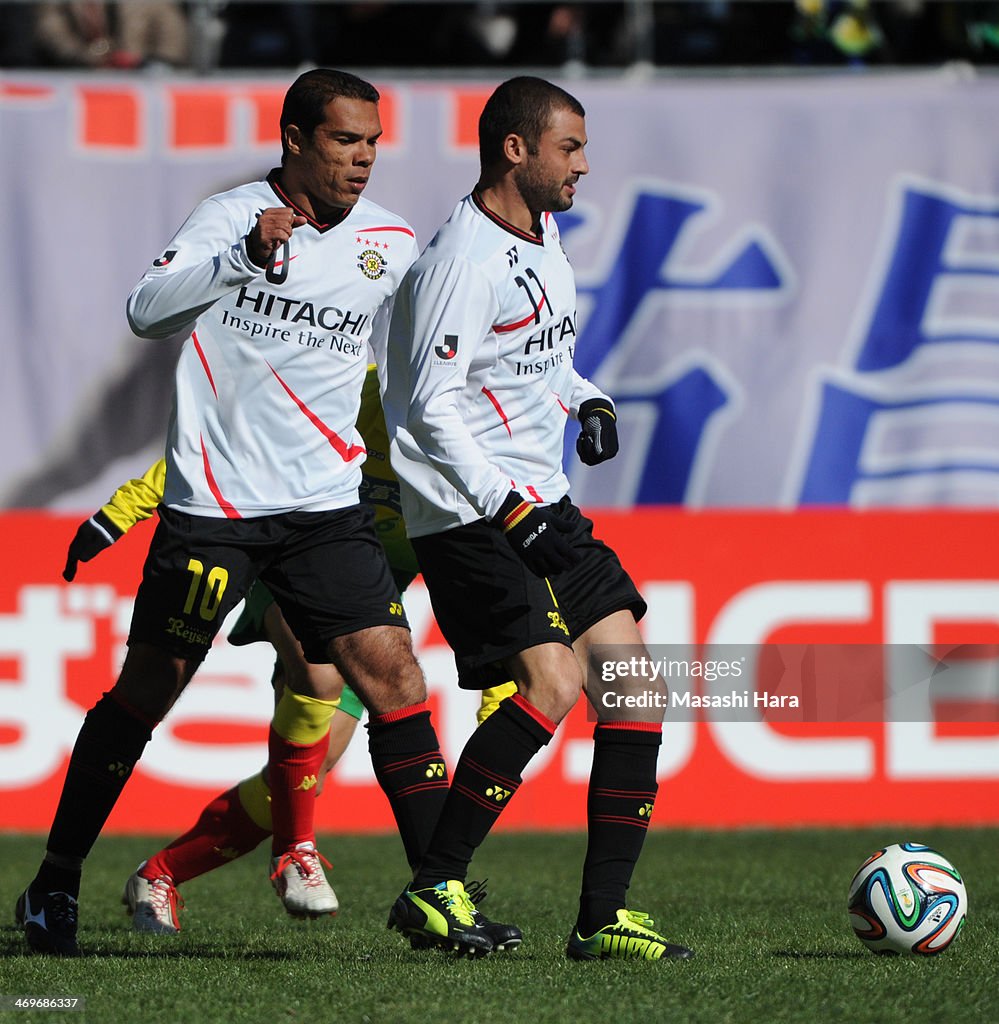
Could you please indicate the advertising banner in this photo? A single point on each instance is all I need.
(885, 625)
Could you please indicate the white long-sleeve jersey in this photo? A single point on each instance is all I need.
(268, 384)
(478, 378)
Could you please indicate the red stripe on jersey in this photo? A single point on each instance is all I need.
(536, 316)
(346, 452)
(533, 493)
(561, 404)
(213, 486)
(499, 409)
(388, 227)
(505, 328)
(204, 361)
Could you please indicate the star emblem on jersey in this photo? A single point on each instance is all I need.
(372, 264)
(368, 241)
(448, 349)
(165, 258)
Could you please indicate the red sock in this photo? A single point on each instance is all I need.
(223, 832)
(294, 769)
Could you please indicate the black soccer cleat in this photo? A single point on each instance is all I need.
(505, 936)
(441, 917)
(49, 921)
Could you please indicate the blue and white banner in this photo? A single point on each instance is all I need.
(790, 286)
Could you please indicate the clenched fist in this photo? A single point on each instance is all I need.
(273, 228)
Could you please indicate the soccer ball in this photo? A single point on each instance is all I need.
(907, 898)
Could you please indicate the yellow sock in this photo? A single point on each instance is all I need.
(302, 720)
(255, 796)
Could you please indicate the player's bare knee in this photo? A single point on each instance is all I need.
(151, 680)
(549, 677)
(321, 681)
(553, 697)
(412, 683)
(380, 666)
(399, 686)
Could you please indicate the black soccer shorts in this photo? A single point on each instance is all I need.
(326, 570)
(489, 605)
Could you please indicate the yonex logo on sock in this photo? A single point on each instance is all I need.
(498, 793)
(119, 769)
(435, 770)
(645, 811)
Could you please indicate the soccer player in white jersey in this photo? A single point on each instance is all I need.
(278, 287)
(478, 390)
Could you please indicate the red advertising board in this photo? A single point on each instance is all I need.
(878, 581)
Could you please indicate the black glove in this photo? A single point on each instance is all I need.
(537, 535)
(597, 441)
(92, 536)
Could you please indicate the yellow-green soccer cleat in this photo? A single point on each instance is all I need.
(630, 937)
(442, 916)
(505, 936)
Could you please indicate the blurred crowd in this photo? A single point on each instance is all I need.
(204, 34)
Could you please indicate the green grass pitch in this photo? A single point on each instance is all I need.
(765, 912)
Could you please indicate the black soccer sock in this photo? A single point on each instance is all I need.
(619, 806)
(409, 766)
(110, 742)
(485, 779)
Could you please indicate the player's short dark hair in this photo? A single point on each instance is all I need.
(521, 106)
(305, 102)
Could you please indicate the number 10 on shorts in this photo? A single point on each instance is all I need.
(211, 588)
